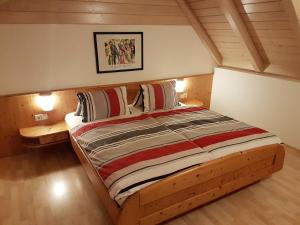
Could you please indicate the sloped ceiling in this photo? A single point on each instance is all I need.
(297, 7)
(270, 27)
(261, 35)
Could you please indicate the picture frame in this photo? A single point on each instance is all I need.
(118, 51)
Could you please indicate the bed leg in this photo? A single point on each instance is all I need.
(131, 212)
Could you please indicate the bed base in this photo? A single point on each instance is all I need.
(190, 188)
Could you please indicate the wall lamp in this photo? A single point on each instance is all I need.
(46, 101)
(180, 85)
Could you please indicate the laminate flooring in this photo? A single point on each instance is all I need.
(50, 187)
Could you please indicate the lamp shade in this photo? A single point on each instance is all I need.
(180, 85)
(46, 102)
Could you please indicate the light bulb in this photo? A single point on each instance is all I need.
(46, 102)
(180, 85)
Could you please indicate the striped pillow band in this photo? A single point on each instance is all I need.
(103, 104)
(159, 96)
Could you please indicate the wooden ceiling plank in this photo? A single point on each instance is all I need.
(88, 18)
(208, 12)
(213, 19)
(217, 26)
(260, 7)
(239, 27)
(269, 25)
(56, 6)
(288, 6)
(201, 32)
(254, 1)
(204, 4)
(264, 17)
(137, 2)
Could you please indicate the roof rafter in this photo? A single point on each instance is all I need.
(201, 32)
(239, 27)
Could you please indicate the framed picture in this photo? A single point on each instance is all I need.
(118, 51)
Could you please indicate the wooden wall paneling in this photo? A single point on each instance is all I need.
(200, 30)
(238, 26)
(5, 127)
(17, 111)
(203, 91)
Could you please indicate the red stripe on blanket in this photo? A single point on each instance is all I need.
(217, 138)
(94, 125)
(114, 102)
(148, 154)
(90, 126)
(159, 96)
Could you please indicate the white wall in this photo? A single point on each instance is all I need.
(45, 57)
(270, 103)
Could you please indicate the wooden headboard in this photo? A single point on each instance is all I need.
(18, 111)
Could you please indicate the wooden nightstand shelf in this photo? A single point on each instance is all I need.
(42, 136)
(193, 102)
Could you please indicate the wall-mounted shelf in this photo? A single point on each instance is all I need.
(193, 102)
(46, 135)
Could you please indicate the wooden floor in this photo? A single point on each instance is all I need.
(51, 187)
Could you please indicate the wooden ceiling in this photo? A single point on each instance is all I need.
(297, 7)
(260, 35)
(135, 12)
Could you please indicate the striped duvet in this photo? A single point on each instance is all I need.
(134, 152)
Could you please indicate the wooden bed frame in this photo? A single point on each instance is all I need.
(188, 189)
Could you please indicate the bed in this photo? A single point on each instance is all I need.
(220, 158)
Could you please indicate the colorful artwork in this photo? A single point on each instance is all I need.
(120, 51)
(116, 52)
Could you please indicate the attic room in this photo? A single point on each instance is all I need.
(144, 112)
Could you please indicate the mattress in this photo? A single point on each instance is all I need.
(134, 151)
